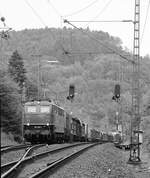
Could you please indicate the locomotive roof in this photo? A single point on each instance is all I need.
(30, 103)
(44, 102)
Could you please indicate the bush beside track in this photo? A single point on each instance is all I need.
(7, 139)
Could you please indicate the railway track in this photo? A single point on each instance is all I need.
(7, 149)
(26, 164)
(9, 167)
(54, 165)
(6, 146)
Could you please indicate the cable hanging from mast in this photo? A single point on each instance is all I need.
(35, 13)
(109, 48)
(147, 11)
(101, 11)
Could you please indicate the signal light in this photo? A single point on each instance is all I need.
(117, 91)
(71, 92)
(2, 19)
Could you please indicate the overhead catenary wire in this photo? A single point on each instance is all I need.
(147, 11)
(100, 12)
(62, 16)
(109, 48)
(58, 13)
(38, 16)
(82, 9)
(85, 52)
(61, 22)
(102, 21)
(54, 8)
(35, 13)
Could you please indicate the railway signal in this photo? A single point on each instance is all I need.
(71, 92)
(117, 91)
(3, 19)
(116, 95)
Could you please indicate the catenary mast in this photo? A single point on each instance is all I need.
(135, 120)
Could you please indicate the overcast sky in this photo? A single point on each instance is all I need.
(21, 14)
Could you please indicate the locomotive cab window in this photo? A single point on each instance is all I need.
(44, 109)
(31, 109)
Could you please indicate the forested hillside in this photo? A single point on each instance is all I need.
(85, 59)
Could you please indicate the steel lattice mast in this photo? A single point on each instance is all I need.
(135, 122)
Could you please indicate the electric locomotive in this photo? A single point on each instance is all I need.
(44, 121)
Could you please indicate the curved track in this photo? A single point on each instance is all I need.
(6, 146)
(11, 166)
(53, 166)
(16, 170)
(7, 149)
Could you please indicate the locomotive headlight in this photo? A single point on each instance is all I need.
(47, 124)
(28, 124)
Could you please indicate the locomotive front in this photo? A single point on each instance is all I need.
(37, 122)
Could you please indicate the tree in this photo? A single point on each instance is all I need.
(16, 69)
(10, 105)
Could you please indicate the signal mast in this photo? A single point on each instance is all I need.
(135, 120)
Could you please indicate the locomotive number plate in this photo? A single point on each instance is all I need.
(37, 127)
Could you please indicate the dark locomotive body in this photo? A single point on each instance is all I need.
(44, 121)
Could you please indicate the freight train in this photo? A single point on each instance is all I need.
(46, 122)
